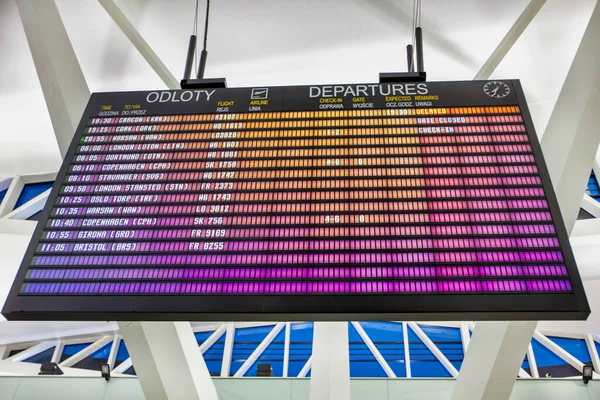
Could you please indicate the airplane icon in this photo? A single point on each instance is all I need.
(259, 93)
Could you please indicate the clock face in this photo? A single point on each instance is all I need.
(497, 90)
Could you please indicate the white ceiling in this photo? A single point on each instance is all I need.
(275, 42)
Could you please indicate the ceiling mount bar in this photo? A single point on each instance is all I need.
(204, 53)
(200, 82)
(411, 76)
(410, 62)
(190, 58)
(419, 49)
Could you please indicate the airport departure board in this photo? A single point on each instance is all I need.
(330, 202)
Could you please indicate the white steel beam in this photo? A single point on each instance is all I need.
(494, 359)
(114, 351)
(576, 334)
(591, 205)
(32, 351)
(406, 350)
(569, 145)
(286, 349)
(589, 341)
(259, 350)
(559, 351)
(304, 371)
(17, 333)
(571, 139)
(83, 339)
(212, 339)
(97, 345)
(124, 366)
(596, 167)
(330, 369)
(58, 350)
(9, 215)
(434, 349)
(443, 324)
(5, 183)
(12, 196)
(168, 361)
(228, 350)
(466, 339)
(140, 44)
(509, 39)
(39, 178)
(523, 374)
(465, 336)
(64, 86)
(255, 324)
(204, 327)
(31, 207)
(532, 363)
(374, 350)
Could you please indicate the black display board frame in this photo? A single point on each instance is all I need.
(330, 307)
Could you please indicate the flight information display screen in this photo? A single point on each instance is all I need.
(419, 200)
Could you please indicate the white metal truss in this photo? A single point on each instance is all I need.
(3, 352)
(228, 349)
(532, 363)
(373, 349)
(168, 360)
(589, 341)
(406, 350)
(304, 371)
(114, 350)
(286, 349)
(84, 353)
(559, 351)
(140, 43)
(61, 79)
(216, 335)
(14, 221)
(510, 39)
(494, 357)
(589, 227)
(17, 365)
(4, 182)
(433, 348)
(465, 335)
(32, 351)
(523, 374)
(28, 209)
(58, 350)
(123, 367)
(571, 138)
(259, 350)
(15, 187)
(591, 205)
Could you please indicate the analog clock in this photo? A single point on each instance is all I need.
(497, 90)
